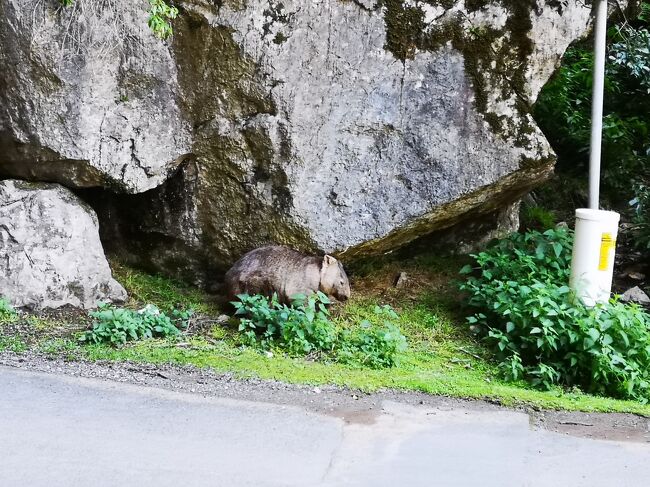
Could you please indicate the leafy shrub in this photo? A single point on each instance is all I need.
(119, 325)
(305, 327)
(301, 328)
(631, 51)
(540, 333)
(544, 257)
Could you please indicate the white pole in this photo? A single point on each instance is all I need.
(592, 265)
(597, 106)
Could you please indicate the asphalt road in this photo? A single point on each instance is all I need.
(67, 431)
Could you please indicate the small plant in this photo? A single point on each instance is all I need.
(305, 327)
(7, 312)
(541, 333)
(116, 326)
(13, 344)
(375, 346)
(160, 18)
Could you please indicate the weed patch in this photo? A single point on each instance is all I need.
(119, 325)
(305, 327)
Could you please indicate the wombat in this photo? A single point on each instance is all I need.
(286, 272)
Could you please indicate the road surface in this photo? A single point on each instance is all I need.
(67, 431)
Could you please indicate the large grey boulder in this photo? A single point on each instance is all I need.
(349, 127)
(50, 252)
(87, 95)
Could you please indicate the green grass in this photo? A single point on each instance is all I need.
(442, 359)
(164, 292)
(441, 371)
(537, 218)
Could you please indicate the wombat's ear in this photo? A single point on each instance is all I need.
(329, 260)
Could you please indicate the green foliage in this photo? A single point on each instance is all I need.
(564, 113)
(532, 256)
(305, 327)
(442, 357)
(161, 291)
(7, 312)
(371, 345)
(60, 347)
(160, 18)
(541, 333)
(631, 53)
(301, 328)
(119, 325)
(13, 344)
(563, 109)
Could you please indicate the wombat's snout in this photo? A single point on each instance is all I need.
(344, 294)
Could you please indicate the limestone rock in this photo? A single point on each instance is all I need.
(87, 96)
(636, 295)
(50, 252)
(347, 127)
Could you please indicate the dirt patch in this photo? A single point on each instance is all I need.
(351, 405)
(610, 426)
(32, 327)
(396, 281)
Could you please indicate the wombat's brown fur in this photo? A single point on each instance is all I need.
(284, 271)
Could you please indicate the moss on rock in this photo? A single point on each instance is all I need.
(491, 65)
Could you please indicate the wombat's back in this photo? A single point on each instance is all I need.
(273, 269)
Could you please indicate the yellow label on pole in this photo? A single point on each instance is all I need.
(607, 245)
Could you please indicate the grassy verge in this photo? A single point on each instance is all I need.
(442, 358)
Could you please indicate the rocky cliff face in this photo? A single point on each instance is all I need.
(345, 126)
